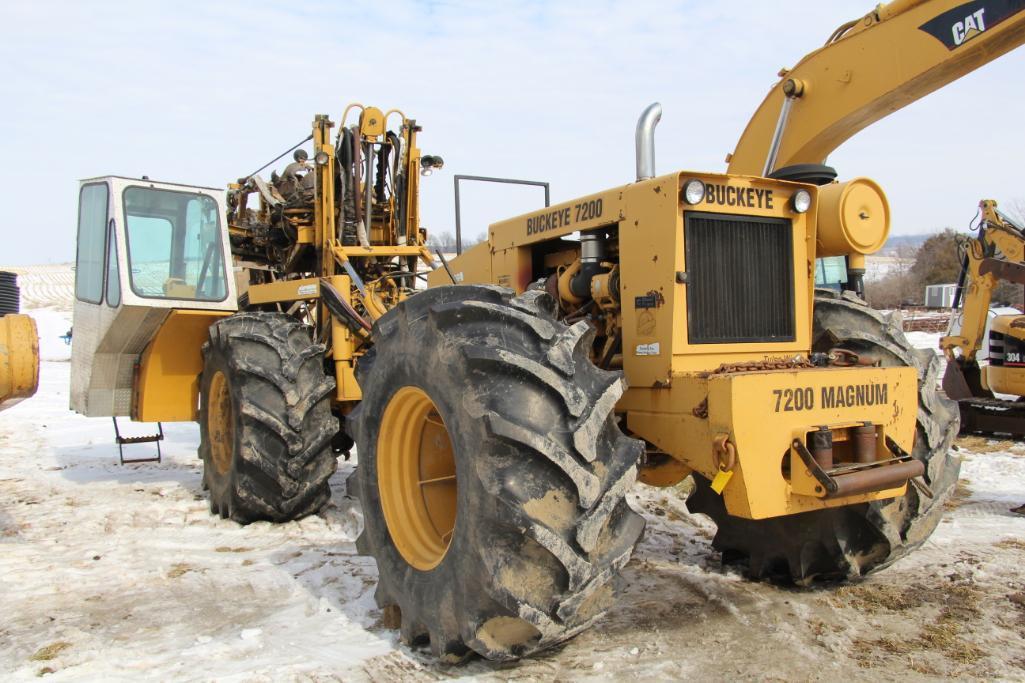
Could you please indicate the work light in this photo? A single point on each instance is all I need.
(693, 191)
(801, 201)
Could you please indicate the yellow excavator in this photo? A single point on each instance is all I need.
(651, 331)
(989, 395)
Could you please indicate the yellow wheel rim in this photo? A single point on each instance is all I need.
(416, 477)
(220, 424)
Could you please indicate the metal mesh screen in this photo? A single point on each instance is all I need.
(740, 278)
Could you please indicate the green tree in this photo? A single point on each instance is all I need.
(937, 262)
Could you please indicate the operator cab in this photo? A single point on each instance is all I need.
(145, 250)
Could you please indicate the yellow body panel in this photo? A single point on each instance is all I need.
(1004, 380)
(751, 408)
(1008, 378)
(582, 213)
(473, 266)
(167, 379)
(285, 290)
(511, 268)
(652, 251)
(19, 359)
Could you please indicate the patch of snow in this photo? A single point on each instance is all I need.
(51, 326)
(127, 565)
(925, 340)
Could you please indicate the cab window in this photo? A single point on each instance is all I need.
(174, 245)
(831, 272)
(92, 231)
(113, 279)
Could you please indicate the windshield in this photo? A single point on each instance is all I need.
(831, 272)
(174, 245)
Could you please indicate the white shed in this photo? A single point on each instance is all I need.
(940, 296)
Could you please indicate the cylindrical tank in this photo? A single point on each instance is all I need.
(853, 218)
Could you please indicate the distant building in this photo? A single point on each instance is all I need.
(940, 296)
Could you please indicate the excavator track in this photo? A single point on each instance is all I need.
(992, 416)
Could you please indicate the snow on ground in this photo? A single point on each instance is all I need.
(120, 573)
(924, 340)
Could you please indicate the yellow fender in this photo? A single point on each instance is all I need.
(19, 359)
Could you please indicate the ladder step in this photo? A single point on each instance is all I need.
(130, 440)
(140, 439)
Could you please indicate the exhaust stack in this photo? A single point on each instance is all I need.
(645, 140)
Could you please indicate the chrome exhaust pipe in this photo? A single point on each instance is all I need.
(645, 140)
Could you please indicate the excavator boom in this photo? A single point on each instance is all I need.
(868, 69)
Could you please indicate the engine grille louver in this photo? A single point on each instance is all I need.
(739, 278)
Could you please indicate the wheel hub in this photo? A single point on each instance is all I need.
(220, 423)
(416, 476)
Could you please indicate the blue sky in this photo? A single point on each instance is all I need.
(202, 93)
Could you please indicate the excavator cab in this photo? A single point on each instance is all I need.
(151, 274)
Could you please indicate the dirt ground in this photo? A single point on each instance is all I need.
(120, 572)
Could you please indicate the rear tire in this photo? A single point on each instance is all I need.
(855, 540)
(265, 419)
(541, 526)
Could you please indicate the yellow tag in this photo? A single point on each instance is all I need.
(720, 481)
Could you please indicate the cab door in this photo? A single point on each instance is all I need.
(151, 264)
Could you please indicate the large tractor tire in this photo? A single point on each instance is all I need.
(852, 541)
(491, 473)
(265, 419)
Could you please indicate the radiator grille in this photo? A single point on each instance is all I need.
(739, 278)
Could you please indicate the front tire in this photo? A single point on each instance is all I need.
(265, 419)
(536, 528)
(854, 540)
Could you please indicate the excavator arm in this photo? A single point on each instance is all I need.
(996, 254)
(981, 390)
(873, 66)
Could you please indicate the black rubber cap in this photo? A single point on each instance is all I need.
(816, 174)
